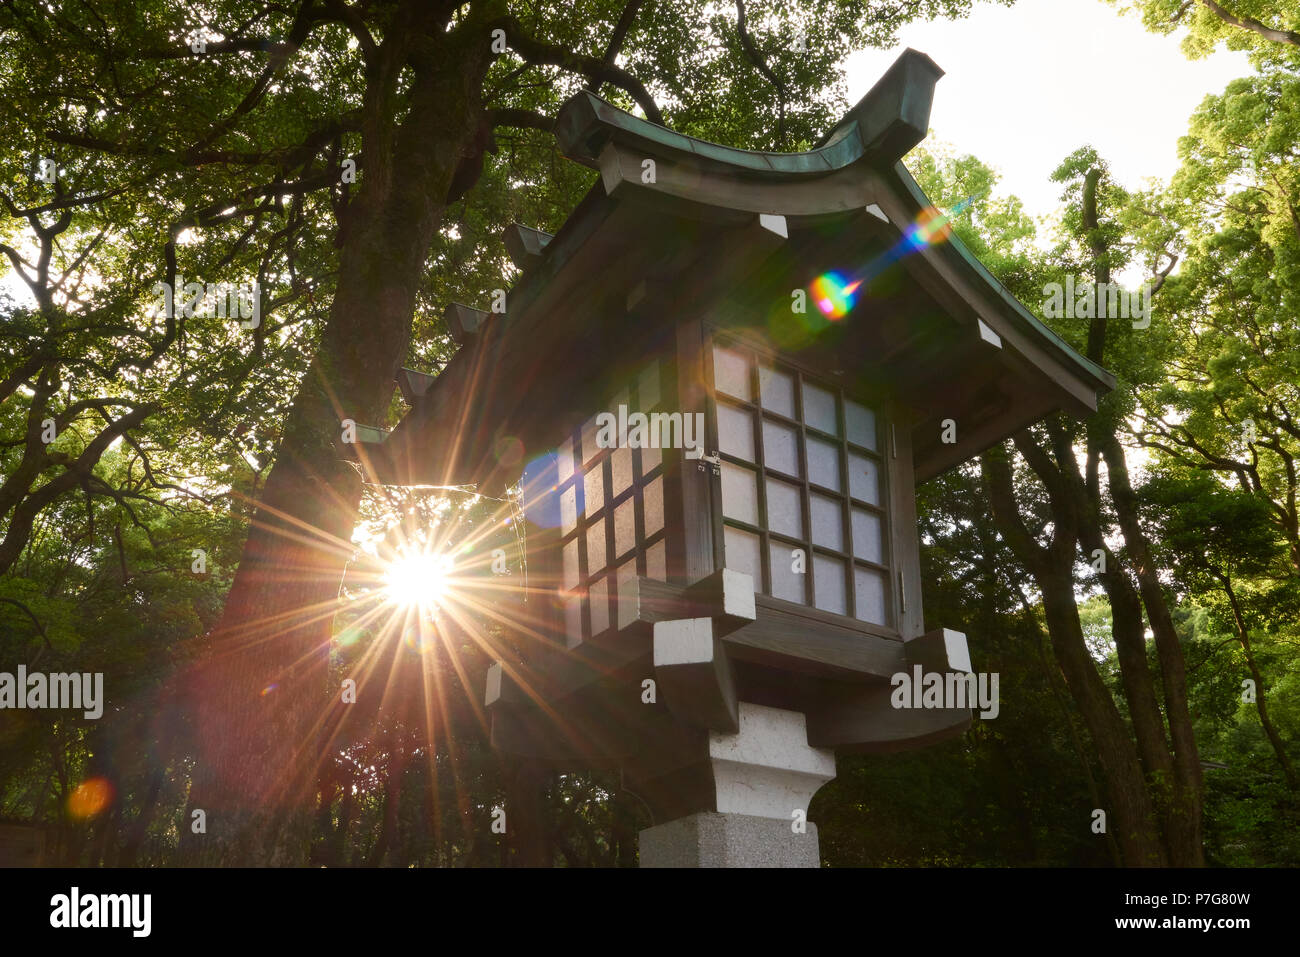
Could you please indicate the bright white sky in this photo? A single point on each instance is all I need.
(1026, 85)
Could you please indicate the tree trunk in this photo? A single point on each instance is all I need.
(260, 695)
(1179, 792)
(1128, 629)
(1134, 814)
(1131, 811)
(1243, 636)
(1184, 821)
(392, 805)
(1086, 765)
(140, 825)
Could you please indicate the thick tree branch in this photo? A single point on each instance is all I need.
(996, 469)
(524, 119)
(751, 51)
(537, 52)
(39, 628)
(1289, 37)
(340, 12)
(615, 45)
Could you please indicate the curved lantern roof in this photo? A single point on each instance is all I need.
(713, 218)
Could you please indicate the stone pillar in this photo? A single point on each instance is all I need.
(762, 779)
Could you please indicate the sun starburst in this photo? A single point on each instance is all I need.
(418, 578)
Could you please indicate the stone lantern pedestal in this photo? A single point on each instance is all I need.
(764, 777)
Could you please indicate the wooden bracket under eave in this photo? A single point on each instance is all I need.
(524, 245)
(414, 384)
(463, 322)
(863, 718)
(694, 676)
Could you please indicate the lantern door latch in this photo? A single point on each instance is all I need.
(712, 459)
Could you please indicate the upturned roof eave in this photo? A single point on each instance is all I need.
(1013, 307)
(888, 121)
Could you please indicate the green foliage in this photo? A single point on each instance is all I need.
(1267, 28)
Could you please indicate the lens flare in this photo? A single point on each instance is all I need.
(90, 798)
(420, 635)
(349, 636)
(833, 295)
(934, 225)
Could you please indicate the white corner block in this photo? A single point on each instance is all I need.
(687, 641)
(492, 694)
(738, 595)
(988, 335)
(774, 224)
(954, 643)
(877, 212)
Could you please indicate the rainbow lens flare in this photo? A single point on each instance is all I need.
(833, 295)
(836, 296)
(934, 225)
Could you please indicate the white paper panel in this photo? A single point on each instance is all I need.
(864, 479)
(861, 423)
(823, 464)
(656, 562)
(570, 553)
(868, 536)
(827, 522)
(736, 432)
(653, 519)
(594, 489)
(595, 548)
(564, 459)
(739, 493)
(784, 508)
(780, 448)
(828, 580)
(870, 595)
(650, 459)
(786, 582)
(624, 527)
(573, 619)
(740, 551)
(731, 373)
(569, 508)
(599, 597)
(776, 389)
(819, 409)
(621, 470)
